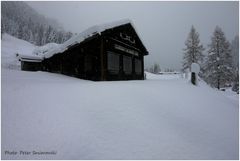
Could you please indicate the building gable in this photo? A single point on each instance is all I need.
(126, 34)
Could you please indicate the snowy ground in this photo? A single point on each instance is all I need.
(163, 117)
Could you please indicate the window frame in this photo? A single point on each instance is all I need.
(127, 58)
(88, 63)
(113, 68)
(136, 63)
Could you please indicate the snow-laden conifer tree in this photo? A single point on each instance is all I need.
(235, 51)
(193, 51)
(218, 69)
(156, 68)
(235, 62)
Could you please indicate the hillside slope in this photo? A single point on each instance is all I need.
(10, 46)
(20, 20)
(159, 118)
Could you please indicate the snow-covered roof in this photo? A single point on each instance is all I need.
(30, 58)
(41, 50)
(97, 29)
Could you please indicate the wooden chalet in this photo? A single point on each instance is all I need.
(111, 51)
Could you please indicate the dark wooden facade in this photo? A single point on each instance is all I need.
(115, 54)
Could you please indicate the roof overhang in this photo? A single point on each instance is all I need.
(28, 58)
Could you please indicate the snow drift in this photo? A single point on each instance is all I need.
(12, 46)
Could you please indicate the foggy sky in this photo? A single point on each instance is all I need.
(163, 26)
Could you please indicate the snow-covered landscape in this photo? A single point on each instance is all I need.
(162, 117)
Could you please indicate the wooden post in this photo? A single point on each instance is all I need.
(193, 78)
(195, 69)
(103, 71)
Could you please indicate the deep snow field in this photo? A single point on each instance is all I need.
(163, 117)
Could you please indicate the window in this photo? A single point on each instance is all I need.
(127, 64)
(138, 66)
(88, 63)
(113, 63)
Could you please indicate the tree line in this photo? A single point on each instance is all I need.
(156, 69)
(219, 68)
(21, 21)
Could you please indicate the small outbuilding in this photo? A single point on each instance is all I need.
(111, 51)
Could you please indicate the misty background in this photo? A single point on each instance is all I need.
(163, 26)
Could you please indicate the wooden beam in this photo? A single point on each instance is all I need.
(103, 70)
